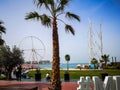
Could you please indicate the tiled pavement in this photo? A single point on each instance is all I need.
(15, 85)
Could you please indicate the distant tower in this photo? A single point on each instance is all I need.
(101, 44)
(95, 46)
(91, 43)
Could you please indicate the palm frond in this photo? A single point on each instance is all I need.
(48, 4)
(32, 15)
(69, 28)
(72, 16)
(62, 5)
(2, 28)
(45, 3)
(2, 41)
(38, 3)
(45, 20)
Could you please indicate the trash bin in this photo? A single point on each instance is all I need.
(38, 77)
(66, 77)
(104, 75)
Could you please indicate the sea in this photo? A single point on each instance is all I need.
(62, 65)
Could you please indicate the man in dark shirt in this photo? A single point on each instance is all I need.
(19, 72)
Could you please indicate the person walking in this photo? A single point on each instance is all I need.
(48, 77)
(19, 72)
(16, 73)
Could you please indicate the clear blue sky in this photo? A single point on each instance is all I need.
(13, 12)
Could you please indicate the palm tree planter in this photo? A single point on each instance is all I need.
(55, 8)
(37, 75)
(103, 75)
(66, 75)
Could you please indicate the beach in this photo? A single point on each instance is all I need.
(62, 65)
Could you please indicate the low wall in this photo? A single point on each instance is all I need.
(110, 83)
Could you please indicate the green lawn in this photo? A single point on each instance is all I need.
(75, 74)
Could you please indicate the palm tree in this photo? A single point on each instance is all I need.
(105, 58)
(55, 8)
(67, 58)
(95, 62)
(2, 30)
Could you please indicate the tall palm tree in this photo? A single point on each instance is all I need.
(105, 58)
(2, 30)
(56, 8)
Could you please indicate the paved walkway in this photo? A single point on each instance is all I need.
(15, 85)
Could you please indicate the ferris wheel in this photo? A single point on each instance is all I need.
(33, 49)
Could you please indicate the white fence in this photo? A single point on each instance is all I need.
(110, 83)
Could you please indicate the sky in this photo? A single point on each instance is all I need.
(107, 12)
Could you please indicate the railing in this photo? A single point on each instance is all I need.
(110, 83)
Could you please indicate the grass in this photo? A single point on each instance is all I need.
(1, 77)
(75, 74)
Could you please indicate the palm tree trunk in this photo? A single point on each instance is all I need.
(67, 66)
(105, 63)
(55, 80)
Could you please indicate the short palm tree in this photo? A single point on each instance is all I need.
(105, 58)
(95, 62)
(55, 9)
(2, 30)
(67, 58)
